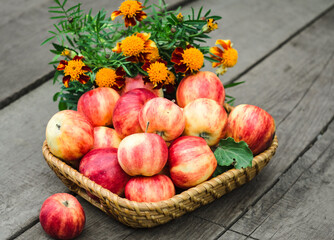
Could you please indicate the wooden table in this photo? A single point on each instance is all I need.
(286, 57)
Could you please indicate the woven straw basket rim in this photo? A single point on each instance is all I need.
(143, 214)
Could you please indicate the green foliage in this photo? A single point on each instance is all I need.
(232, 154)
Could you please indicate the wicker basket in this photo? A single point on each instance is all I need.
(146, 215)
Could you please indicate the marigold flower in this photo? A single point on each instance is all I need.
(158, 73)
(107, 77)
(179, 17)
(187, 60)
(227, 56)
(136, 47)
(74, 70)
(210, 26)
(132, 11)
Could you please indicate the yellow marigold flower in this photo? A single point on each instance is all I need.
(74, 70)
(210, 26)
(187, 60)
(136, 47)
(179, 17)
(131, 11)
(107, 77)
(158, 73)
(227, 56)
(66, 52)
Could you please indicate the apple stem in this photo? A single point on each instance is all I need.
(65, 203)
(148, 123)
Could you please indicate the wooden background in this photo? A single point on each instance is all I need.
(286, 51)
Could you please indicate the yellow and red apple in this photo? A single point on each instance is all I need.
(142, 154)
(138, 82)
(62, 216)
(190, 161)
(205, 118)
(253, 125)
(163, 117)
(200, 85)
(69, 135)
(149, 189)
(98, 105)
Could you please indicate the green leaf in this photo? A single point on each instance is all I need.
(55, 97)
(233, 84)
(62, 105)
(233, 153)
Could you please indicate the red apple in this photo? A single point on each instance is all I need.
(127, 109)
(191, 161)
(142, 154)
(253, 125)
(98, 105)
(200, 85)
(62, 216)
(101, 166)
(149, 189)
(105, 137)
(138, 82)
(69, 135)
(165, 118)
(205, 118)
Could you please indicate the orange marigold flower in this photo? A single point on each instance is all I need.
(107, 77)
(187, 60)
(136, 47)
(158, 73)
(74, 70)
(131, 11)
(179, 17)
(226, 57)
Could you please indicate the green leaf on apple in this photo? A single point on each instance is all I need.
(231, 153)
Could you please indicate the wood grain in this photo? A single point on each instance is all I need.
(295, 85)
(300, 205)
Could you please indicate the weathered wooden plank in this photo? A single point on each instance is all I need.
(24, 62)
(255, 26)
(186, 227)
(230, 235)
(300, 206)
(295, 85)
(93, 228)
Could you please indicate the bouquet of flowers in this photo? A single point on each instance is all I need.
(149, 44)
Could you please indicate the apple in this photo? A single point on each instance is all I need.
(98, 105)
(203, 84)
(101, 166)
(138, 82)
(142, 154)
(253, 125)
(106, 137)
(62, 216)
(125, 116)
(190, 161)
(69, 135)
(205, 118)
(149, 189)
(162, 117)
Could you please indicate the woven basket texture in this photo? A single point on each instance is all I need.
(146, 215)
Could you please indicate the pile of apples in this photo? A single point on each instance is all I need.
(142, 146)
